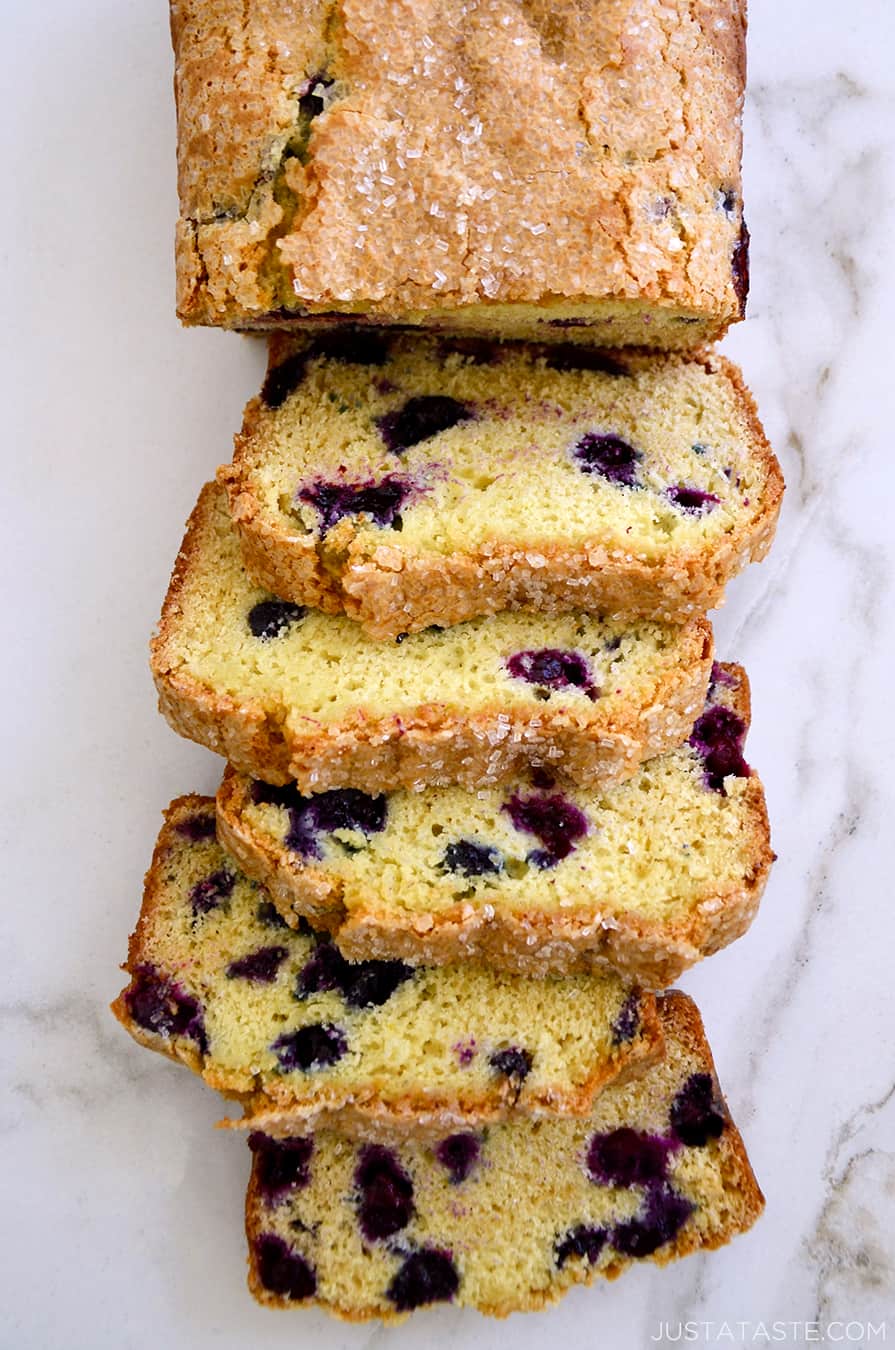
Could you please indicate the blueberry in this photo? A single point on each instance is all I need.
(625, 1157)
(352, 346)
(697, 1115)
(196, 827)
(283, 1271)
(608, 456)
(338, 809)
(159, 1005)
(260, 967)
(269, 916)
(312, 1047)
(627, 1023)
(212, 891)
(311, 104)
(479, 350)
(584, 1240)
(513, 1063)
(421, 417)
(323, 972)
(471, 859)
(692, 500)
(271, 795)
(666, 1213)
(426, 1276)
(718, 737)
(571, 356)
(281, 1165)
(380, 501)
(271, 618)
(739, 267)
(555, 821)
(553, 668)
(385, 1203)
(363, 984)
(284, 379)
(721, 678)
(459, 1154)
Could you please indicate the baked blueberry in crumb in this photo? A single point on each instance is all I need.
(627, 1023)
(283, 1271)
(351, 346)
(196, 828)
(212, 891)
(608, 456)
(625, 1157)
(363, 984)
(514, 1063)
(555, 821)
(269, 916)
(281, 1165)
(717, 737)
(426, 1276)
(346, 809)
(571, 356)
(470, 859)
(157, 1004)
(421, 417)
(380, 501)
(458, 1154)
(721, 679)
(692, 500)
(553, 668)
(269, 794)
(313, 1047)
(665, 1214)
(739, 267)
(284, 379)
(385, 1193)
(480, 350)
(585, 1240)
(260, 967)
(697, 1115)
(271, 618)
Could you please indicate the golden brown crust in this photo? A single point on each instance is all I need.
(681, 1021)
(535, 943)
(274, 1109)
(417, 193)
(390, 591)
(432, 745)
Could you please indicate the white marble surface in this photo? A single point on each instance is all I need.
(122, 1207)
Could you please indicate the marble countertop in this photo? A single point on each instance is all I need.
(122, 1207)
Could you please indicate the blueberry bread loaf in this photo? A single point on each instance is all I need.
(648, 876)
(508, 1218)
(277, 1018)
(405, 484)
(288, 693)
(558, 169)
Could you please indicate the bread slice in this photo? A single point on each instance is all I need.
(287, 693)
(647, 876)
(509, 1218)
(407, 484)
(276, 1018)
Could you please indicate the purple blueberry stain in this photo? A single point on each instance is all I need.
(584, 1240)
(543, 779)
(281, 1165)
(718, 737)
(552, 668)
(609, 457)
(426, 1276)
(260, 967)
(196, 828)
(739, 267)
(627, 1023)
(385, 1193)
(479, 350)
(458, 1155)
(465, 1052)
(284, 379)
(470, 859)
(554, 820)
(272, 618)
(158, 1004)
(721, 679)
(212, 891)
(513, 1063)
(626, 1157)
(692, 499)
(317, 1046)
(421, 418)
(664, 1214)
(379, 501)
(570, 356)
(283, 1271)
(697, 1112)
